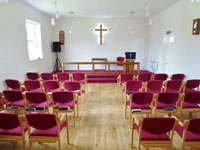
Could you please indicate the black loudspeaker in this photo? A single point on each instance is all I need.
(56, 47)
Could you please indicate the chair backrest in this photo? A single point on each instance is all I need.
(168, 97)
(160, 76)
(41, 121)
(31, 84)
(191, 84)
(47, 76)
(192, 97)
(142, 98)
(63, 76)
(12, 95)
(50, 85)
(158, 125)
(63, 97)
(144, 77)
(12, 84)
(133, 85)
(32, 75)
(194, 125)
(72, 86)
(126, 77)
(178, 76)
(155, 85)
(120, 59)
(78, 76)
(36, 97)
(174, 84)
(9, 121)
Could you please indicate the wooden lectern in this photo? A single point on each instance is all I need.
(130, 58)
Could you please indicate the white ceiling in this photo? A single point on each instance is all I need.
(100, 8)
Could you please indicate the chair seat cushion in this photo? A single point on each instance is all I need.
(70, 104)
(49, 132)
(171, 90)
(188, 105)
(15, 131)
(187, 90)
(146, 136)
(153, 92)
(17, 103)
(44, 104)
(131, 91)
(162, 105)
(138, 106)
(190, 137)
(55, 90)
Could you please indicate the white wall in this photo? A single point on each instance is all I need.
(81, 43)
(14, 59)
(183, 55)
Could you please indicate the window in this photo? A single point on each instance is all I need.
(34, 40)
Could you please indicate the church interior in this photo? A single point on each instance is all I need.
(99, 75)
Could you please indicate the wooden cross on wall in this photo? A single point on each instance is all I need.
(101, 30)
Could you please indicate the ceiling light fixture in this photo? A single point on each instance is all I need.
(4, 1)
(56, 9)
(53, 22)
(192, 1)
(147, 9)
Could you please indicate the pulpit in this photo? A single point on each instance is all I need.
(129, 58)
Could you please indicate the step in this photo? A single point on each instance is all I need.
(102, 80)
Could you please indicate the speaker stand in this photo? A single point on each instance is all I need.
(57, 64)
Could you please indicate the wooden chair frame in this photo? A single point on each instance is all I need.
(169, 112)
(183, 138)
(152, 144)
(47, 139)
(186, 110)
(39, 111)
(56, 110)
(13, 138)
(147, 112)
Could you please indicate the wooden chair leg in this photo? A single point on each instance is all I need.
(132, 137)
(58, 143)
(67, 132)
(30, 145)
(190, 115)
(77, 110)
(125, 111)
(24, 144)
(138, 145)
(74, 119)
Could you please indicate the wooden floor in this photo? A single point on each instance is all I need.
(101, 125)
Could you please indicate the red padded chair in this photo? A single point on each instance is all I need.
(47, 128)
(160, 76)
(33, 85)
(154, 132)
(173, 86)
(47, 76)
(178, 76)
(62, 77)
(51, 86)
(2, 101)
(141, 103)
(166, 103)
(12, 128)
(131, 87)
(64, 99)
(154, 86)
(15, 100)
(75, 87)
(13, 85)
(38, 99)
(189, 103)
(120, 59)
(79, 77)
(191, 85)
(32, 76)
(123, 78)
(190, 133)
(144, 77)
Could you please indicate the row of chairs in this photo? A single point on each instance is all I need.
(41, 128)
(80, 77)
(159, 132)
(157, 86)
(166, 102)
(61, 102)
